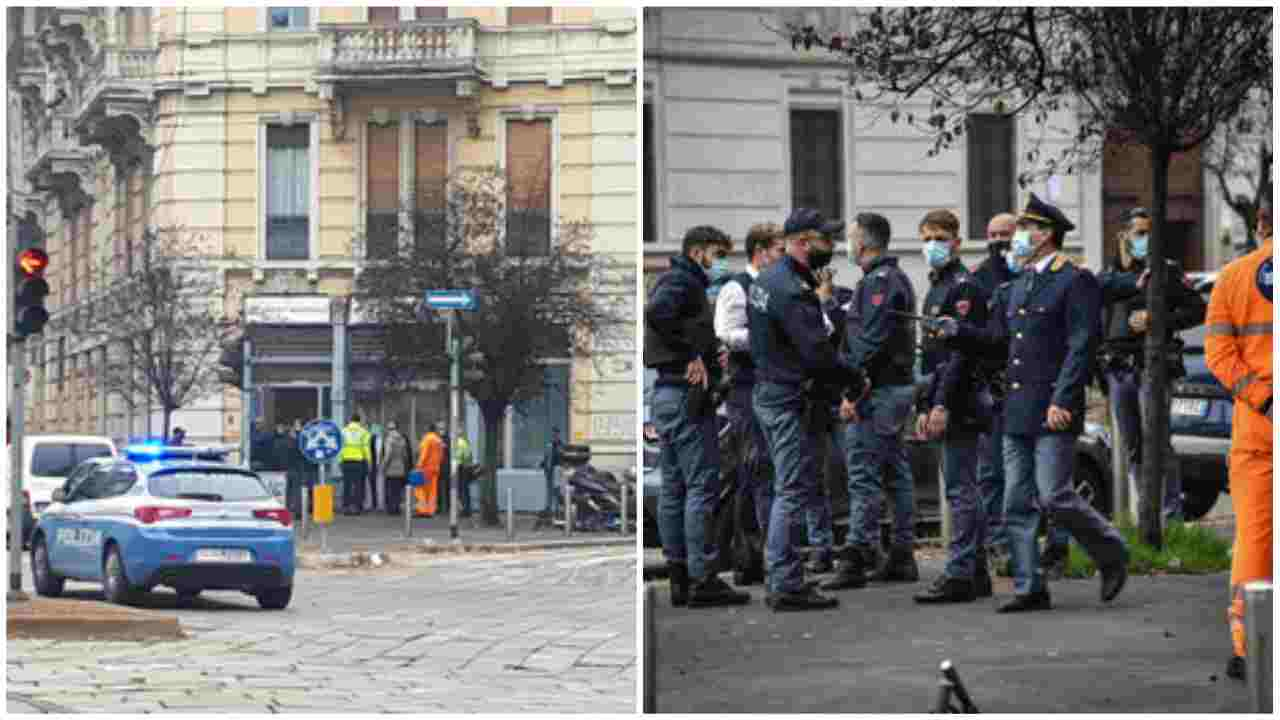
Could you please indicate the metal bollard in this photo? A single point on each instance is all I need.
(624, 507)
(511, 516)
(650, 652)
(306, 514)
(568, 507)
(1257, 622)
(408, 511)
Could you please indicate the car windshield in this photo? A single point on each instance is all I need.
(210, 485)
(59, 459)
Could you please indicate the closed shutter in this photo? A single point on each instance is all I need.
(382, 225)
(431, 157)
(529, 15)
(384, 15)
(816, 168)
(529, 186)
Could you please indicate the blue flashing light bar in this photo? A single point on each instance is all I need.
(156, 450)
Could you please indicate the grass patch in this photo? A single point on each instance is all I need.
(1188, 550)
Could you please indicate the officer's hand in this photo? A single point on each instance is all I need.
(1142, 279)
(937, 422)
(826, 284)
(1138, 320)
(696, 374)
(848, 411)
(1058, 419)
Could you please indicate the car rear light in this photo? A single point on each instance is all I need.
(280, 515)
(150, 514)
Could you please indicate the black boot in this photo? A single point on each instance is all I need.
(1235, 668)
(713, 591)
(1054, 561)
(947, 590)
(808, 599)
(901, 566)
(678, 574)
(851, 573)
(982, 577)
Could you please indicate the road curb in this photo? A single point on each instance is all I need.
(380, 558)
(49, 618)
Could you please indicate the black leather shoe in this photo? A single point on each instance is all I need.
(1235, 668)
(821, 566)
(743, 578)
(982, 582)
(900, 567)
(713, 591)
(678, 574)
(851, 573)
(1113, 581)
(1054, 562)
(1026, 603)
(946, 590)
(797, 601)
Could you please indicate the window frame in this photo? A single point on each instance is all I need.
(532, 114)
(408, 121)
(977, 226)
(265, 25)
(836, 107)
(313, 170)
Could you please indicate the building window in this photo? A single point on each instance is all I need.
(529, 16)
(817, 176)
(529, 187)
(382, 226)
(434, 12)
(431, 156)
(533, 420)
(384, 15)
(62, 361)
(991, 170)
(288, 192)
(288, 18)
(650, 179)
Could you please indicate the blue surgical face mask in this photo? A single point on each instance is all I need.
(1138, 246)
(719, 268)
(1021, 245)
(937, 254)
(1015, 266)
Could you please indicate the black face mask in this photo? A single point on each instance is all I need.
(999, 247)
(819, 259)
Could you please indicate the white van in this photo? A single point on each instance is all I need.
(47, 460)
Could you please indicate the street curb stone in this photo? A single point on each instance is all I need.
(83, 620)
(364, 558)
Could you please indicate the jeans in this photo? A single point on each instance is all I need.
(781, 412)
(1038, 472)
(874, 451)
(964, 496)
(395, 493)
(690, 463)
(353, 474)
(991, 479)
(817, 517)
(1129, 405)
(751, 450)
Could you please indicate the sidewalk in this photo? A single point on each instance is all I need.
(77, 619)
(380, 532)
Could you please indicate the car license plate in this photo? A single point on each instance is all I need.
(221, 555)
(1190, 407)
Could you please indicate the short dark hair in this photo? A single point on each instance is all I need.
(1138, 212)
(355, 417)
(762, 237)
(702, 236)
(944, 219)
(875, 230)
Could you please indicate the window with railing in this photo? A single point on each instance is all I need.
(288, 192)
(817, 175)
(528, 165)
(431, 153)
(382, 226)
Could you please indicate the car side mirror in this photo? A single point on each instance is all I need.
(59, 495)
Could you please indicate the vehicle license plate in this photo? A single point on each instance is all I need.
(221, 555)
(1187, 406)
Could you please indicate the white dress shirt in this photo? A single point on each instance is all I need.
(731, 314)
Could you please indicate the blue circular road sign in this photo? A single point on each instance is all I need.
(320, 441)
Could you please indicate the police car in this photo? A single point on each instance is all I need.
(174, 516)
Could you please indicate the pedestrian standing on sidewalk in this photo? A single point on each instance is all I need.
(396, 462)
(462, 454)
(551, 463)
(356, 461)
(297, 470)
(375, 465)
(430, 455)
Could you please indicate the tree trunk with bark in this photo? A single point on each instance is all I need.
(1155, 422)
(493, 415)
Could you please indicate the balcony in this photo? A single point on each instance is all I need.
(380, 56)
(118, 102)
(60, 165)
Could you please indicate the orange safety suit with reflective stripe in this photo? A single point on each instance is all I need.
(430, 455)
(1238, 351)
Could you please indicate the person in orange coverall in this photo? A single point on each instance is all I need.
(1238, 352)
(430, 456)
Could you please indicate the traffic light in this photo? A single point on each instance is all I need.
(28, 311)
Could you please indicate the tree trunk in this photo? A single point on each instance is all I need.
(168, 423)
(1155, 422)
(493, 414)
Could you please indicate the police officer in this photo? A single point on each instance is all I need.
(882, 346)
(1050, 327)
(749, 449)
(953, 412)
(818, 517)
(791, 348)
(680, 343)
(356, 459)
(1125, 318)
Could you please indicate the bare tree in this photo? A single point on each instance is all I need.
(538, 283)
(1170, 76)
(160, 316)
(1242, 151)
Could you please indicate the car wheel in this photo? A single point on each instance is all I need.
(1196, 505)
(275, 598)
(115, 584)
(47, 582)
(1091, 487)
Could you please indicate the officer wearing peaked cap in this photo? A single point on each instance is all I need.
(1050, 327)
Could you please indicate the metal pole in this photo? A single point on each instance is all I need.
(624, 506)
(942, 497)
(455, 378)
(1120, 489)
(306, 497)
(568, 503)
(1257, 623)
(408, 511)
(18, 355)
(511, 516)
(650, 652)
(246, 408)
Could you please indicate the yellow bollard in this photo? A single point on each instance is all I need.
(323, 504)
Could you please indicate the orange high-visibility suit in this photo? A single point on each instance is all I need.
(430, 455)
(1238, 352)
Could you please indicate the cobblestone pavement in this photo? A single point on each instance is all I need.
(539, 632)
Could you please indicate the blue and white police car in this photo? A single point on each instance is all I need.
(174, 516)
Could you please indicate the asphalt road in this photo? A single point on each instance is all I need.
(546, 632)
(1161, 647)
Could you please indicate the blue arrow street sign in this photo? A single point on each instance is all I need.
(451, 299)
(321, 441)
